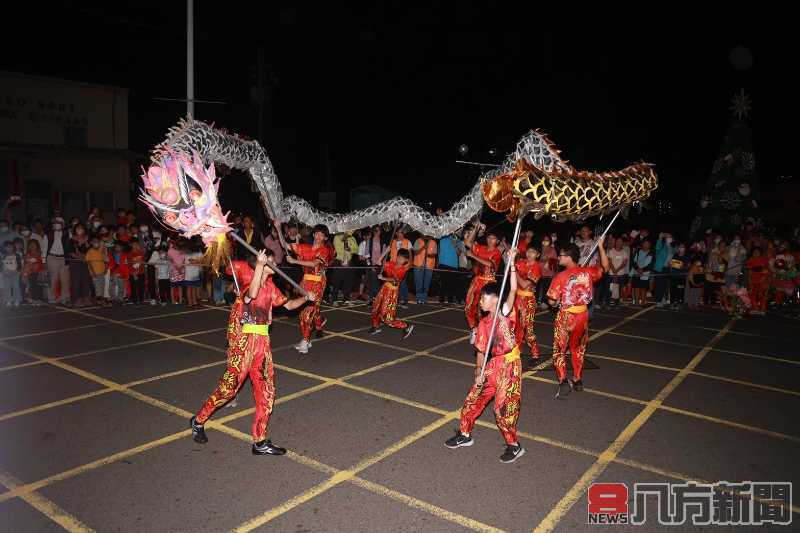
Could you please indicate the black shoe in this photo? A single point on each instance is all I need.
(577, 385)
(564, 388)
(458, 441)
(512, 453)
(374, 331)
(265, 447)
(407, 331)
(198, 431)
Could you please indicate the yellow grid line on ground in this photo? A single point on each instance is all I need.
(323, 385)
(579, 488)
(45, 506)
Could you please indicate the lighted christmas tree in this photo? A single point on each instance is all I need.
(732, 193)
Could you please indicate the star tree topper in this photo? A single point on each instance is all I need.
(741, 104)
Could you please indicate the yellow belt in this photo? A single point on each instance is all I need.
(391, 285)
(512, 355)
(487, 277)
(256, 329)
(575, 309)
(521, 292)
(312, 277)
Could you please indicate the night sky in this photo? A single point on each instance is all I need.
(394, 90)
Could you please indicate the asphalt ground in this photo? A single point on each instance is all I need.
(95, 407)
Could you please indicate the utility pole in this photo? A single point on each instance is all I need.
(189, 58)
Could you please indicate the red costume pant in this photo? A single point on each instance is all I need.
(385, 308)
(503, 383)
(249, 354)
(571, 331)
(525, 304)
(310, 316)
(472, 308)
(758, 296)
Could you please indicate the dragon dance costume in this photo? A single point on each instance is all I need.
(314, 281)
(482, 275)
(525, 304)
(503, 378)
(249, 354)
(573, 288)
(385, 306)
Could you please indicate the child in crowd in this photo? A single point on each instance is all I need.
(695, 280)
(192, 276)
(120, 272)
(32, 272)
(12, 267)
(97, 259)
(136, 260)
(159, 261)
(177, 270)
(758, 269)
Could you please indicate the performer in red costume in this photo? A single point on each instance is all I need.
(385, 306)
(572, 290)
(528, 274)
(314, 258)
(486, 260)
(502, 379)
(249, 353)
(758, 267)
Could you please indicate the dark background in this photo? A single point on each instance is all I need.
(394, 89)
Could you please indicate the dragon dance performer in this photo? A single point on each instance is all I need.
(314, 258)
(572, 289)
(385, 306)
(528, 274)
(503, 376)
(249, 353)
(487, 261)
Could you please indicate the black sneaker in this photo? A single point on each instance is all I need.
(458, 441)
(512, 453)
(265, 447)
(198, 431)
(577, 385)
(374, 331)
(407, 331)
(564, 388)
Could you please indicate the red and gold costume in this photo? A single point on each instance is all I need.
(385, 306)
(573, 288)
(482, 275)
(759, 281)
(525, 304)
(503, 380)
(249, 354)
(314, 281)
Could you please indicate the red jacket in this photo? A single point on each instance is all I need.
(119, 269)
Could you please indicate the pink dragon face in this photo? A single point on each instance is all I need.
(182, 194)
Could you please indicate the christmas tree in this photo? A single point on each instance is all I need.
(732, 193)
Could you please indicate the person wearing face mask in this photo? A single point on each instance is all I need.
(39, 234)
(664, 252)
(7, 233)
(737, 256)
(159, 263)
(57, 269)
(79, 280)
(678, 270)
(548, 261)
(97, 261)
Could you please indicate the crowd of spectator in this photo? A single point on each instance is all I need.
(130, 260)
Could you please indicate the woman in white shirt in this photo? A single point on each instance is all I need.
(191, 280)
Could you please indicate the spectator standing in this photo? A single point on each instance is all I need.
(97, 261)
(79, 280)
(136, 259)
(695, 281)
(345, 246)
(57, 269)
(160, 263)
(678, 271)
(448, 265)
(192, 282)
(250, 235)
(737, 257)
(425, 254)
(33, 270)
(758, 270)
(663, 255)
(176, 256)
(619, 263)
(10, 275)
(643, 266)
(715, 271)
(119, 266)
